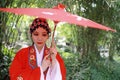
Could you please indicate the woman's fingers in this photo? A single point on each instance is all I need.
(53, 44)
(47, 57)
(46, 63)
(53, 50)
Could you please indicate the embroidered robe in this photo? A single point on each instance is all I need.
(24, 66)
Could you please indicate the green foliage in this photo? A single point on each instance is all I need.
(105, 70)
(78, 69)
(84, 65)
(5, 61)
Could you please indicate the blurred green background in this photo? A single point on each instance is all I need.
(89, 54)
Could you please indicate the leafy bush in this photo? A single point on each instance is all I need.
(78, 69)
(107, 70)
(5, 62)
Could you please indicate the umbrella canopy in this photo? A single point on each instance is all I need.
(57, 14)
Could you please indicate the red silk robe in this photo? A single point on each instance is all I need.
(21, 68)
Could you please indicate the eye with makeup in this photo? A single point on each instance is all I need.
(44, 34)
(35, 34)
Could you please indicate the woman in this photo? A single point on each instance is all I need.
(37, 62)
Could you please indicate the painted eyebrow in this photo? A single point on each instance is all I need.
(44, 32)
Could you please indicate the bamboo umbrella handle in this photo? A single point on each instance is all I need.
(52, 43)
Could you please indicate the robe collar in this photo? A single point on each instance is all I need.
(32, 56)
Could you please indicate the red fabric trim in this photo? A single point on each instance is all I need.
(32, 57)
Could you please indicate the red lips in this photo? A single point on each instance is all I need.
(39, 42)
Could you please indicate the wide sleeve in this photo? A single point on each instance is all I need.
(62, 66)
(20, 69)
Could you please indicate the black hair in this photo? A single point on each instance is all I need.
(40, 22)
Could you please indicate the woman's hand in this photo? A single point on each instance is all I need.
(50, 59)
(46, 63)
(53, 53)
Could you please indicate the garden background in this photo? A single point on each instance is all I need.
(83, 49)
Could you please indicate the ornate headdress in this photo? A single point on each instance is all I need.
(40, 22)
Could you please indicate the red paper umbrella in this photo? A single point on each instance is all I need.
(57, 14)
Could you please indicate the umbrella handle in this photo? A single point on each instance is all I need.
(52, 42)
(53, 36)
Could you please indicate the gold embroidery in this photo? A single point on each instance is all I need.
(32, 57)
(31, 50)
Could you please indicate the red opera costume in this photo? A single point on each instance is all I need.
(24, 65)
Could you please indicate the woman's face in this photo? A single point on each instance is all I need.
(39, 37)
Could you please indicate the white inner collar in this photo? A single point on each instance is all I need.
(39, 55)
